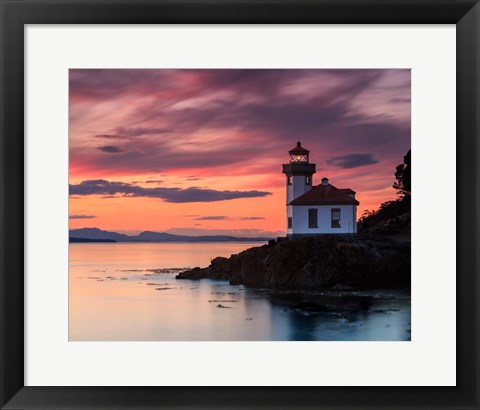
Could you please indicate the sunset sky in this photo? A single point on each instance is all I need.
(200, 151)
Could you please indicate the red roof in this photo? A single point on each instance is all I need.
(298, 150)
(347, 190)
(326, 195)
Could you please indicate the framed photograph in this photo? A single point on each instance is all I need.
(240, 205)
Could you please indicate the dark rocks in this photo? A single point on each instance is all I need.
(342, 287)
(223, 307)
(325, 261)
(220, 268)
(311, 307)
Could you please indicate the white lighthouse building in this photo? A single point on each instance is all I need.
(313, 210)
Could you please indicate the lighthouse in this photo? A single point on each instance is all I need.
(299, 178)
(313, 210)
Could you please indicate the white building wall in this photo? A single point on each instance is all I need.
(298, 187)
(289, 193)
(289, 214)
(294, 190)
(348, 221)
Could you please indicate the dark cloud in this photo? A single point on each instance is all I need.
(401, 100)
(211, 218)
(108, 136)
(151, 155)
(137, 132)
(266, 84)
(176, 195)
(227, 218)
(110, 149)
(82, 216)
(130, 133)
(352, 160)
(154, 181)
(267, 109)
(95, 84)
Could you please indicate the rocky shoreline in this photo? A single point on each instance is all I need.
(340, 262)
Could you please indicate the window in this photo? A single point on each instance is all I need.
(289, 222)
(289, 180)
(308, 180)
(298, 158)
(335, 218)
(313, 218)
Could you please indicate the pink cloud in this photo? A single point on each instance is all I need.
(239, 124)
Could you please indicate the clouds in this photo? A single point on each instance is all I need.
(228, 218)
(94, 84)
(211, 218)
(352, 160)
(175, 195)
(131, 133)
(212, 136)
(110, 149)
(82, 216)
(207, 119)
(154, 181)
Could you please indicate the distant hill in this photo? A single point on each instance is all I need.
(82, 240)
(148, 236)
(95, 233)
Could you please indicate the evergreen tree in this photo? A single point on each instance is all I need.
(392, 216)
(404, 176)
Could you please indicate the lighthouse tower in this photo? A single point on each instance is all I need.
(299, 173)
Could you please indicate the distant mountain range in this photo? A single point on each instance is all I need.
(74, 240)
(97, 235)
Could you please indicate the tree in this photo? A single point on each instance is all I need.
(392, 217)
(403, 176)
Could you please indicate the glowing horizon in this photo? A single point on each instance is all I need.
(198, 152)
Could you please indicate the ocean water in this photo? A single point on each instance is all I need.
(128, 292)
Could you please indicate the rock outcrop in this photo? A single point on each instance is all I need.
(325, 261)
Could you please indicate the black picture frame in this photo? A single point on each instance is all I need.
(15, 14)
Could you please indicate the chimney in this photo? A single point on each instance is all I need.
(324, 181)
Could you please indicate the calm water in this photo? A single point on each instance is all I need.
(128, 291)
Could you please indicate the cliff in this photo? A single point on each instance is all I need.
(326, 261)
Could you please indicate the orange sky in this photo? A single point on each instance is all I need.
(200, 151)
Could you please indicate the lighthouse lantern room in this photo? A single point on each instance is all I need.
(298, 154)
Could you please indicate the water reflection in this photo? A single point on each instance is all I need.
(129, 292)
